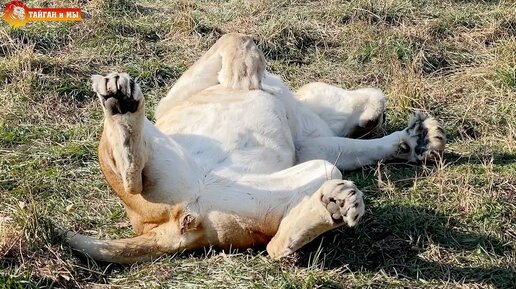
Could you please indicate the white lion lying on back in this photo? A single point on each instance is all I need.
(237, 160)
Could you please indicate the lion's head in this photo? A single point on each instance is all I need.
(19, 12)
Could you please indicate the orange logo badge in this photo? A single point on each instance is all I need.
(17, 14)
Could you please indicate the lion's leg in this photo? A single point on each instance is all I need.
(335, 203)
(234, 61)
(123, 135)
(423, 139)
(132, 150)
(228, 214)
(350, 113)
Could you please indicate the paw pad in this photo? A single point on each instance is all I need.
(343, 201)
(427, 139)
(118, 93)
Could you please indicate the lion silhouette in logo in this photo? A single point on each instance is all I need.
(19, 12)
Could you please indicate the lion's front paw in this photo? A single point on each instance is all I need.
(425, 141)
(343, 201)
(118, 93)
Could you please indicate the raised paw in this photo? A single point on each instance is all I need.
(343, 201)
(118, 93)
(243, 63)
(425, 139)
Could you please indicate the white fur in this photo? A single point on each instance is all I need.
(242, 154)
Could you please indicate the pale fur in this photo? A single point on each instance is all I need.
(236, 160)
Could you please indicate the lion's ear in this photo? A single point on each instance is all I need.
(188, 222)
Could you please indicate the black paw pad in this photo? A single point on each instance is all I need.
(404, 148)
(119, 103)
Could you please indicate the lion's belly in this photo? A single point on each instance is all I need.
(233, 132)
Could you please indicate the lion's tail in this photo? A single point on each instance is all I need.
(130, 250)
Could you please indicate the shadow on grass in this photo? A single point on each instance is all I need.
(401, 241)
(391, 238)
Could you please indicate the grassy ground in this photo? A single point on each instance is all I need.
(448, 226)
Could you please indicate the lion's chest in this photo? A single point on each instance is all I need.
(244, 133)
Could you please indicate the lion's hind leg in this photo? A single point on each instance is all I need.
(243, 64)
(234, 62)
(337, 202)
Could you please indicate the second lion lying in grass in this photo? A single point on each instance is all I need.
(235, 159)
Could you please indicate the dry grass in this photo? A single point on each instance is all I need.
(448, 226)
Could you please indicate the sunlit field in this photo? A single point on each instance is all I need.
(449, 225)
